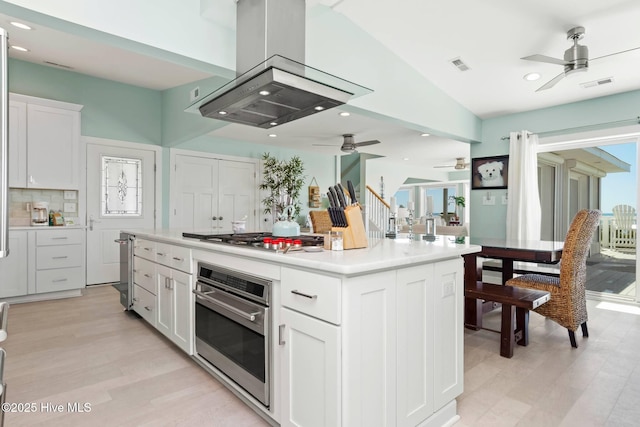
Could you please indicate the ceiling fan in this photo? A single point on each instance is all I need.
(576, 58)
(349, 145)
(460, 164)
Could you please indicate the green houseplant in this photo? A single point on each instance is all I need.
(459, 202)
(283, 180)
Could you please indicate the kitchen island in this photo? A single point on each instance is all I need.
(360, 337)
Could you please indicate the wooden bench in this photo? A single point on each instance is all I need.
(515, 301)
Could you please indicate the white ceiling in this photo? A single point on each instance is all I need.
(489, 36)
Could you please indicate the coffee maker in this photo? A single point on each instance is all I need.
(40, 214)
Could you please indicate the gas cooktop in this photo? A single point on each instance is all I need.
(250, 239)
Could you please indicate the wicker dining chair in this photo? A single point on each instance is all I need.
(567, 306)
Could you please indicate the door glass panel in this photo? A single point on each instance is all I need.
(121, 186)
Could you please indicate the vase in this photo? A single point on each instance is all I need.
(284, 226)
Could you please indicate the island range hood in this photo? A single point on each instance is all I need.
(273, 86)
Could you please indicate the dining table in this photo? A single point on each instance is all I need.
(508, 251)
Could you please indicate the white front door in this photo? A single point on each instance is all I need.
(210, 193)
(121, 189)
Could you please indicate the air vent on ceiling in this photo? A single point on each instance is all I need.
(54, 64)
(598, 82)
(457, 62)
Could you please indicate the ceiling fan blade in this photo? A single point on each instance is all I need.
(363, 143)
(326, 145)
(616, 53)
(551, 83)
(444, 166)
(544, 58)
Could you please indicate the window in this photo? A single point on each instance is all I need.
(121, 186)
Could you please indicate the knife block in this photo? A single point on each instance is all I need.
(354, 235)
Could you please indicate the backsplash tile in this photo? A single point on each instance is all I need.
(19, 197)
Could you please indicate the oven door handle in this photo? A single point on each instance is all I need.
(249, 316)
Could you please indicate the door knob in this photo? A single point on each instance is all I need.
(214, 218)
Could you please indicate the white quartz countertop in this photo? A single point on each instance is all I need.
(381, 254)
(47, 227)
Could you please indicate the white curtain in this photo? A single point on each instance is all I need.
(523, 205)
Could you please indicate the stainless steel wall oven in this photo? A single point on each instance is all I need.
(232, 324)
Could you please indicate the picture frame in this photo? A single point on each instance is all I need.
(490, 172)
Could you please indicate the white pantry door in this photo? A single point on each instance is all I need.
(120, 195)
(211, 193)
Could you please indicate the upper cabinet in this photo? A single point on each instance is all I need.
(44, 143)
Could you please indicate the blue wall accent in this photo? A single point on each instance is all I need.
(111, 110)
(489, 221)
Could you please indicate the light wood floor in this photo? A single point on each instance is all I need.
(88, 350)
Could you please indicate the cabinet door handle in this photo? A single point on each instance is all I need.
(147, 249)
(59, 238)
(147, 308)
(60, 257)
(296, 292)
(59, 280)
(147, 275)
(178, 259)
(135, 299)
(160, 254)
(281, 340)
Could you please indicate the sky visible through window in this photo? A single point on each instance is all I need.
(620, 188)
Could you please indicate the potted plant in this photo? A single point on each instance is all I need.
(460, 203)
(283, 180)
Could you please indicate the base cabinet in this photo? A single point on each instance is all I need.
(174, 306)
(14, 268)
(43, 261)
(311, 371)
(393, 359)
(164, 271)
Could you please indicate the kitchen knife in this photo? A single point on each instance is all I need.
(343, 200)
(352, 193)
(332, 210)
(334, 192)
(340, 216)
(332, 201)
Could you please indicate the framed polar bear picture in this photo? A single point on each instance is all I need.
(490, 172)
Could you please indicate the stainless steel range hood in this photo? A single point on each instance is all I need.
(274, 86)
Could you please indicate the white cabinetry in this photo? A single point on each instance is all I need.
(310, 384)
(384, 349)
(144, 288)
(44, 142)
(59, 260)
(13, 269)
(162, 273)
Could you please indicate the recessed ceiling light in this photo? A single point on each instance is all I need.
(264, 92)
(20, 48)
(319, 108)
(425, 134)
(273, 123)
(272, 135)
(222, 113)
(406, 158)
(531, 76)
(345, 114)
(20, 25)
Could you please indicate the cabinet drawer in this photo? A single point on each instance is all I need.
(181, 259)
(144, 303)
(58, 237)
(312, 294)
(144, 273)
(58, 256)
(59, 279)
(177, 257)
(145, 249)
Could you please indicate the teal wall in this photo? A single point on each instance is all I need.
(111, 110)
(489, 221)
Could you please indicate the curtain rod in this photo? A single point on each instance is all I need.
(586, 127)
